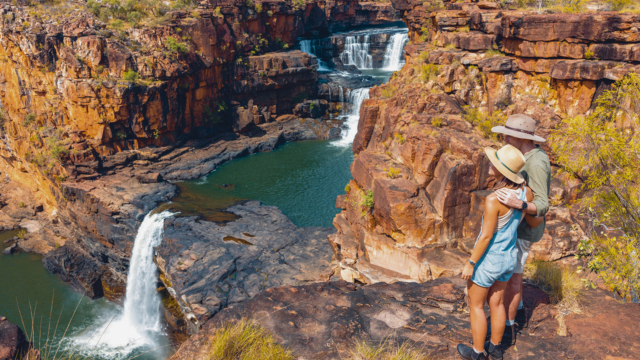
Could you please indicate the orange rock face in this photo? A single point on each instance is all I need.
(419, 152)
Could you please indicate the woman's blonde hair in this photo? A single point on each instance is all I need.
(506, 183)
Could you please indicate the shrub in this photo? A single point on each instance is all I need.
(393, 173)
(606, 155)
(573, 6)
(368, 199)
(388, 91)
(21, 204)
(22, 233)
(217, 11)
(258, 8)
(492, 53)
(121, 136)
(56, 150)
(484, 122)
(424, 34)
(175, 46)
(562, 284)
(216, 113)
(429, 72)
(131, 75)
(29, 119)
(437, 122)
(400, 139)
(589, 54)
(347, 188)
(619, 5)
(244, 340)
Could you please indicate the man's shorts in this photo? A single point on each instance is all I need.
(522, 246)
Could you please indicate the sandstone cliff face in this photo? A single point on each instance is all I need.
(94, 147)
(71, 83)
(414, 206)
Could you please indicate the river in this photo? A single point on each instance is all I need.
(302, 179)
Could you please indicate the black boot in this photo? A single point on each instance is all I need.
(521, 318)
(495, 351)
(468, 353)
(509, 336)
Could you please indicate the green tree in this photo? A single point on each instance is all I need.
(603, 150)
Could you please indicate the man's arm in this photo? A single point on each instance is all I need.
(508, 198)
(539, 206)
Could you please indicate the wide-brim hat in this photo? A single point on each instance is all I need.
(520, 126)
(508, 160)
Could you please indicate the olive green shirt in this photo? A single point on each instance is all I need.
(537, 173)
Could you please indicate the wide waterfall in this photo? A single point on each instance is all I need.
(139, 323)
(314, 47)
(394, 54)
(356, 52)
(355, 98)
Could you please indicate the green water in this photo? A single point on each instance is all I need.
(301, 178)
(43, 306)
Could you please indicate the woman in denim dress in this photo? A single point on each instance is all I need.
(493, 259)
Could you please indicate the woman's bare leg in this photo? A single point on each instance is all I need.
(498, 313)
(477, 298)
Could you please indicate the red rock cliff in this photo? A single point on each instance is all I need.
(414, 206)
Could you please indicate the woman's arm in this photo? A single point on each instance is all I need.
(532, 221)
(491, 209)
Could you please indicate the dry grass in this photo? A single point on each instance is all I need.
(244, 340)
(561, 283)
(385, 351)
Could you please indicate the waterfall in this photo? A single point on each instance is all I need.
(393, 56)
(356, 52)
(313, 47)
(355, 98)
(341, 100)
(139, 323)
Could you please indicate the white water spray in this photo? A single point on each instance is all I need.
(355, 99)
(356, 52)
(393, 57)
(139, 324)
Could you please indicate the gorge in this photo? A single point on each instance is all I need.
(182, 184)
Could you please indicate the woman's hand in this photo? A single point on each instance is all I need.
(467, 272)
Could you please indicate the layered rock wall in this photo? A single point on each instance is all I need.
(414, 206)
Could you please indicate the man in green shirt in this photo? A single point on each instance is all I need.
(519, 131)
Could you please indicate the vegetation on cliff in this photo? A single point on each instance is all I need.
(245, 340)
(603, 150)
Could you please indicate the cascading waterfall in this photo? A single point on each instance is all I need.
(355, 98)
(139, 324)
(356, 52)
(393, 56)
(313, 47)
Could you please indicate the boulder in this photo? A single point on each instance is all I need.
(13, 342)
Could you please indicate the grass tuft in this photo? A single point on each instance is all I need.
(385, 351)
(244, 340)
(562, 284)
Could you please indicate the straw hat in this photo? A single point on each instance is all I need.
(520, 126)
(508, 160)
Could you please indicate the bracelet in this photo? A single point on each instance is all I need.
(472, 262)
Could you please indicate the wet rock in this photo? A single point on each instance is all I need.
(10, 249)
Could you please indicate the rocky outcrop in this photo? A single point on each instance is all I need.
(217, 265)
(13, 342)
(414, 207)
(102, 213)
(324, 320)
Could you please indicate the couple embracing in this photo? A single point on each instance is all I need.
(513, 219)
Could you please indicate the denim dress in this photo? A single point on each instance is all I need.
(499, 259)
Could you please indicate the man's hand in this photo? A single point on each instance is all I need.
(509, 199)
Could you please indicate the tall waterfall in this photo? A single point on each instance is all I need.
(139, 324)
(313, 47)
(355, 98)
(356, 52)
(393, 56)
